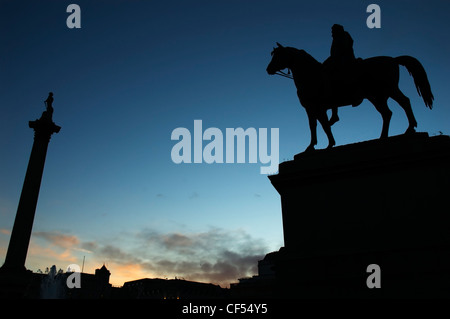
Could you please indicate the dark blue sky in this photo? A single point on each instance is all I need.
(134, 72)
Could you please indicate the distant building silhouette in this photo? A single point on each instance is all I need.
(260, 285)
(170, 289)
(53, 285)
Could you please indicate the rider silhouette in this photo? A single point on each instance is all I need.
(341, 57)
(341, 51)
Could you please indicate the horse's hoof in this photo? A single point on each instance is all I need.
(410, 130)
(309, 149)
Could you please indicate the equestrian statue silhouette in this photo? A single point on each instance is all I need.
(343, 80)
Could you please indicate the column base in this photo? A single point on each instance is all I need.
(15, 282)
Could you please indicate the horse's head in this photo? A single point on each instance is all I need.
(279, 59)
(282, 58)
(287, 57)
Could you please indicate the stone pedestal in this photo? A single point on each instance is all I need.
(375, 202)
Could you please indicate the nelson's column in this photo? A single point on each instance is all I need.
(14, 278)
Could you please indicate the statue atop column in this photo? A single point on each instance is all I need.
(48, 113)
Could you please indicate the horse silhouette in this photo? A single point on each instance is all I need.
(375, 79)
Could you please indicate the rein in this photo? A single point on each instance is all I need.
(288, 75)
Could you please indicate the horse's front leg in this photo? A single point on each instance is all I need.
(323, 119)
(313, 128)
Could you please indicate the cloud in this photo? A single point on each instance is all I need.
(50, 255)
(194, 195)
(176, 240)
(5, 231)
(58, 239)
(216, 256)
(117, 255)
(89, 246)
(53, 247)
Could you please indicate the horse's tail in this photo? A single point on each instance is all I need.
(419, 75)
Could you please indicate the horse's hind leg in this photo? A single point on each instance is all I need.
(323, 119)
(382, 107)
(404, 102)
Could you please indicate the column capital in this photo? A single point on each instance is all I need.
(44, 126)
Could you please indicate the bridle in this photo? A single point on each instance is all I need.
(281, 73)
(288, 75)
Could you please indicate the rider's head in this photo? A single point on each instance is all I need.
(337, 30)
